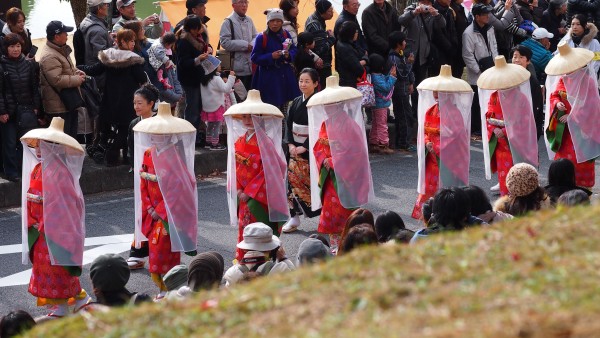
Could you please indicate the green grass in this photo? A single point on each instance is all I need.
(534, 277)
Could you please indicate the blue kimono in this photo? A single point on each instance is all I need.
(274, 79)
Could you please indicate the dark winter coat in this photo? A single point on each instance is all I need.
(587, 8)
(124, 75)
(461, 23)
(188, 49)
(347, 58)
(347, 16)
(298, 114)
(21, 78)
(274, 78)
(446, 39)
(323, 42)
(552, 23)
(524, 10)
(377, 25)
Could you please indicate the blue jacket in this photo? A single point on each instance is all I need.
(274, 78)
(540, 56)
(383, 85)
(403, 70)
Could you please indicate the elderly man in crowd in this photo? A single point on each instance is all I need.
(539, 43)
(152, 26)
(237, 36)
(95, 33)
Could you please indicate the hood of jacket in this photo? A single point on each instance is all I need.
(91, 20)
(587, 37)
(117, 58)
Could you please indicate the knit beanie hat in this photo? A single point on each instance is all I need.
(109, 272)
(205, 271)
(312, 250)
(176, 277)
(322, 6)
(274, 14)
(522, 180)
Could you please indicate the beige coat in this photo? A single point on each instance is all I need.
(56, 71)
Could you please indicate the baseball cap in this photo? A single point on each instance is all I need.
(57, 27)
(93, 3)
(124, 3)
(540, 33)
(480, 9)
(189, 4)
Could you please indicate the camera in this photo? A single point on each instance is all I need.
(426, 8)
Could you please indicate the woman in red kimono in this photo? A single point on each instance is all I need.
(56, 270)
(251, 185)
(155, 225)
(500, 156)
(432, 157)
(560, 140)
(333, 214)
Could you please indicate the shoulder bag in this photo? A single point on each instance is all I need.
(225, 56)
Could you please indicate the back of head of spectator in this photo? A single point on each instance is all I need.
(480, 203)
(360, 235)
(197, 7)
(305, 40)
(397, 40)
(561, 173)
(205, 271)
(138, 28)
(524, 192)
(388, 225)
(109, 274)
(573, 198)
(312, 250)
(403, 236)
(321, 238)
(126, 39)
(347, 31)
(427, 210)
(176, 277)
(542, 36)
(376, 63)
(358, 216)
(16, 323)
(451, 208)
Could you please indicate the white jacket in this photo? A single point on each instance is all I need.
(474, 49)
(244, 33)
(213, 93)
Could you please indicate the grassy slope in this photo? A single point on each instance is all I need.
(535, 277)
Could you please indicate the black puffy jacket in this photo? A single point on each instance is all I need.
(591, 9)
(19, 82)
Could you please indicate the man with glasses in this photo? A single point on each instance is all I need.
(239, 41)
(95, 32)
(153, 28)
(349, 12)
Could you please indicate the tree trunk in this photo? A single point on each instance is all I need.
(79, 8)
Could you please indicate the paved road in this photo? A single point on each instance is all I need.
(110, 216)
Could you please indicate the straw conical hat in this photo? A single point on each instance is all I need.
(54, 133)
(164, 123)
(502, 75)
(253, 106)
(568, 59)
(333, 93)
(445, 83)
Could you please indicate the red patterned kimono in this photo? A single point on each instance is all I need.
(500, 156)
(52, 284)
(432, 171)
(161, 258)
(333, 214)
(561, 142)
(251, 181)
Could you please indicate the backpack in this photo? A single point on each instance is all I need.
(79, 47)
(264, 38)
(262, 269)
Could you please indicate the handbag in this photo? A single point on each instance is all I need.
(26, 117)
(70, 97)
(486, 62)
(226, 57)
(366, 89)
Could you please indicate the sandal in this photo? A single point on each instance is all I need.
(83, 306)
(135, 263)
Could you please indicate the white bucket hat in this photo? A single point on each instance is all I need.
(259, 237)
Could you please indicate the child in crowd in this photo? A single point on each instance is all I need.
(405, 79)
(306, 58)
(158, 56)
(383, 86)
(213, 90)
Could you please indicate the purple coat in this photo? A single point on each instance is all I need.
(274, 79)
